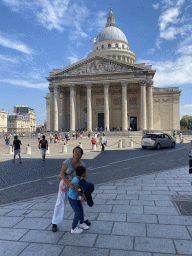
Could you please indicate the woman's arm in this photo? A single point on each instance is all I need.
(64, 176)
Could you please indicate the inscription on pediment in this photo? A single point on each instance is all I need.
(96, 67)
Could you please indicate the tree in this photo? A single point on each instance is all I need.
(186, 123)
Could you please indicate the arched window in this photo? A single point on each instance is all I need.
(109, 45)
(102, 46)
(123, 46)
(116, 45)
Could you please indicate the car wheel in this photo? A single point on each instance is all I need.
(173, 145)
(158, 146)
(143, 147)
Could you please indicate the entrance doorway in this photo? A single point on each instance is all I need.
(133, 123)
(101, 120)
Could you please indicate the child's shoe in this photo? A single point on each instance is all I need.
(87, 222)
(83, 226)
(76, 230)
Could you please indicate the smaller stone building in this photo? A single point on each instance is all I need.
(23, 120)
(3, 121)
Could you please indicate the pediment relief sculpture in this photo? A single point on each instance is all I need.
(96, 67)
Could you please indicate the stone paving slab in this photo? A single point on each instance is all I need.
(167, 231)
(42, 250)
(84, 251)
(11, 248)
(84, 239)
(154, 245)
(129, 229)
(115, 242)
(40, 236)
(128, 253)
(12, 234)
(8, 222)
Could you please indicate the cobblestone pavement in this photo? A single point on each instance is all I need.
(132, 217)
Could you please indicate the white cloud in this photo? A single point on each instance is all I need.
(155, 6)
(25, 83)
(8, 59)
(185, 110)
(169, 16)
(16, 45)
(98, 22)
(73, 58)
(172, 73)
(53, 14)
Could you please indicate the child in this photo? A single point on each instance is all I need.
(76, 204)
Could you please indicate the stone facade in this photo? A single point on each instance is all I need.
(23, 120)
(3, 121)
(109, 90)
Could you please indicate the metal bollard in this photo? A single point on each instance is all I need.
(124, 143)
(80, 145)
(10, 152)
(183, 140)
(64, 148)
(131, 143)
(94, 147)
(119, 144)
(28, 150)
(48, 151)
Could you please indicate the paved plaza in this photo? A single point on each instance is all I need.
(132, 217)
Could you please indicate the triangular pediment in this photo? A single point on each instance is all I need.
(99, 65)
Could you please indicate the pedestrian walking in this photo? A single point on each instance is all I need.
(180, 136)
(38, 136)
(16, 146)
(7, 141)
(51, 137)
(43, 145)
(75, 203)
(174, 135)
(66, 175)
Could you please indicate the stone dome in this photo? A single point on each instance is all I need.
(111, 33)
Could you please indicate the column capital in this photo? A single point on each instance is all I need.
(72, 86)
(150, 83)
(124, 83)
(50, 88)
(106, 84)
(89, 85)
(142, 83)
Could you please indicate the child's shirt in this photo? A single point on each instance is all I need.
(72, 193)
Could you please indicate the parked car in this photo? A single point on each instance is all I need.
(157, 140)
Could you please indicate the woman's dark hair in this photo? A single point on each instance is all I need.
(80, 170)
(78, 148)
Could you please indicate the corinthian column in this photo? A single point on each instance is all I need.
(89, 108)
(56, 104)
(106, 105)
(63, 110)
(51, 109)
(150, 105)
(72, 107)
(124, 105)
(143, 106)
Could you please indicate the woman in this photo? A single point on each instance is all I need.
(67, 173)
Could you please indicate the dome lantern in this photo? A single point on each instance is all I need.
(110, 19)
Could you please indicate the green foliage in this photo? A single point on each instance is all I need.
(186, 123)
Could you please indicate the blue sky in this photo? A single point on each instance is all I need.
(37, 36)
